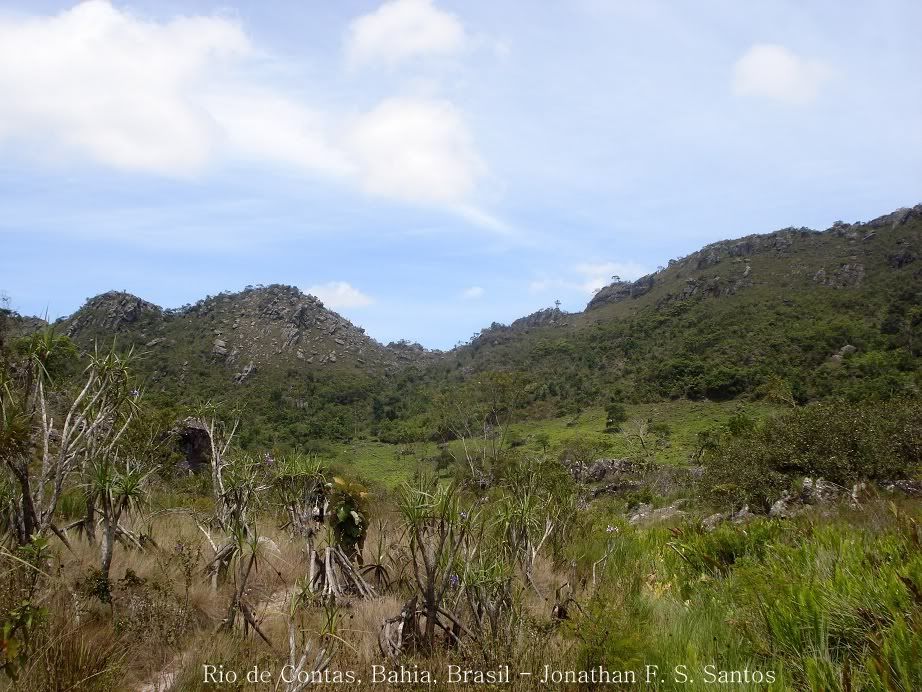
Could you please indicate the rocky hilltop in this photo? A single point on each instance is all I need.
(838, 257)
(275, 327)
(496, 332)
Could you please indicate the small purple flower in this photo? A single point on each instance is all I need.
(611, 529)
(454, 580)
(135, 393)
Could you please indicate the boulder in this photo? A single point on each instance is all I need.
(600, 468)
(812, 492)
(644, 513)
(741, 516)
(712, 522)
(248, 370)
(785, 507)
(907, 487)
(614, 488)
(819, 491)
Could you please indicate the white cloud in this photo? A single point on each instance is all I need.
(340, 295)
(773, 72)
(95, 81)
(263, 126)
(472, 293)
(175, 97)
(400, 30)
(415, 150)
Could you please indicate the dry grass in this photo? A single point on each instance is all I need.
(160, 627)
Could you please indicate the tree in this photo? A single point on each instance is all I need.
(437, 530)
(478, 415)
(118, 485)
(90, 424)
(220, 437)
(615, 415)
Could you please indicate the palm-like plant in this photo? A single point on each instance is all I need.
(118, 485)
(89, 426)
(300, 487)
(377, 567)
(437, 528)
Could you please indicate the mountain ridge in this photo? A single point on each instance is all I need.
(278, 327)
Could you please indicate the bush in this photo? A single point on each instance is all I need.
(838, 441)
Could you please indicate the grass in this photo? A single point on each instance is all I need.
(389, 465)
(828, 601)
(683, 418)
(380, 464)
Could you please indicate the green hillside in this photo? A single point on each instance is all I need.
(790, 316)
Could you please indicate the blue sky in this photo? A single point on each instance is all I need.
(430, 166)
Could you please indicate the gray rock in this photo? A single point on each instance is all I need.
(600, 468)
(819, 491)
(907, 487)
(741, 516)
(712, 522)
(785, 507)
(241, 376)
(812, 492)
(645, 513)
(614, 488)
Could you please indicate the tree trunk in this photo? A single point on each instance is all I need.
(432, 612)
(107, 546)
(28, 516)
(89, 521)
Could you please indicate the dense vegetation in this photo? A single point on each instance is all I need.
(722, 487)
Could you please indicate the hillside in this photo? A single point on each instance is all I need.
(275, 327)
(796, 313)
(824, 310)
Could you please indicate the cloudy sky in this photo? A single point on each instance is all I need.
(429, 166)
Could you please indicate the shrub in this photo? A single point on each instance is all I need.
(838, 441)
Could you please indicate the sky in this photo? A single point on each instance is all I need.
(427, 167)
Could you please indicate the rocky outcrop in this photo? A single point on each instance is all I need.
(194, 444)
(645, 514)
(412, 352)
(622, 290)
(912, 488)
(812, 492)
(113, 312)
(840, 355)
(600, 469)
(741, 516)
(497, 333)
(244, 374)
(848, 275)
(273, 326)
(897, 218)
(902, 257)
